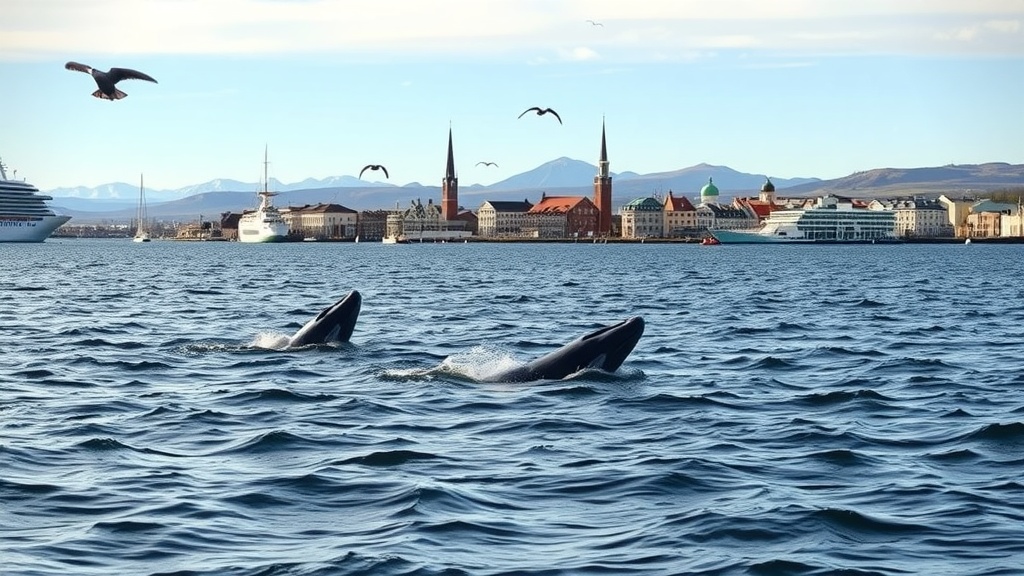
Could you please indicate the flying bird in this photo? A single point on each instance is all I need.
(592, 23)
(487, 164)
(106, 80)
(374, 167)
(541, 112)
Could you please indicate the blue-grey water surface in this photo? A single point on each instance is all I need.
(790, 410)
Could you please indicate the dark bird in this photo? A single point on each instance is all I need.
(373, 167)
(487, 164)
(592, 23)
(106, 80)
(541, 112)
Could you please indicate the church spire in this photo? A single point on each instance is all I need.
(602, 163)
(450, 170)
(604, 146)
(450, 185)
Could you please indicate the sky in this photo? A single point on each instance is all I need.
(787, 88)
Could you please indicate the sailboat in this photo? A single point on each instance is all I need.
(141, 235)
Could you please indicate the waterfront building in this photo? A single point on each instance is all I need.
(917, 217)
(372, 224)
(680, 217)
(603, 190)
(711, 214)
(957, 210)
(422, 223)
(985, 219)
(470, 221)
(723, 217)
(643, 218)
(501, 219)
(229, 225)
(561, 217)
(321, 221)
(1012, 224)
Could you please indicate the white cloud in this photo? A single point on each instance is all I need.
(580, 54)
(530, 30)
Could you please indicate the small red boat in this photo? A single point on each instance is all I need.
(710, 241)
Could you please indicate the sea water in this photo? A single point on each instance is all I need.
(789, 410)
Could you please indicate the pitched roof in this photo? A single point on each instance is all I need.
(509, 205)
(325, 208)
(761, 209)
(557, 204)
(678, 203)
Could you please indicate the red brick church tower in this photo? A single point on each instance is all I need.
(450, 186)
(603, 191)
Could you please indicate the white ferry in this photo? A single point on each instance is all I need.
(24, 215)
(831, 220)
(265, 224)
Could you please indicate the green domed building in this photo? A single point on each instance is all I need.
(709, 193)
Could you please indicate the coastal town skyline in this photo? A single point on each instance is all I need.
(801, 90)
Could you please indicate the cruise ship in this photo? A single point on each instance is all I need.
(24, 215)
(265, 224)
(832, 220)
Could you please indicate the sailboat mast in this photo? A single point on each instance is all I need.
(266, 164)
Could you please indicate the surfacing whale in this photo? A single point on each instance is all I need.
(605, 349)
(334, 324)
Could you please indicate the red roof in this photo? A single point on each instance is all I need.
(556, 204)
(678, 203)
(761, 209)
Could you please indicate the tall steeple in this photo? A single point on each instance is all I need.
(450, 185)
(603, 189)
(602, 163)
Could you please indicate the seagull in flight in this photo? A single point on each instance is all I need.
(541, 112)
(592, 23)
(487, 164)
(106, 81)
(374, 167)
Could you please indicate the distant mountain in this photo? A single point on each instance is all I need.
(561, 173)
(120, 191)
(955, 178)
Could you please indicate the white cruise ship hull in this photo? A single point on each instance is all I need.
(262, 232)
(29, 229)
(755, 237)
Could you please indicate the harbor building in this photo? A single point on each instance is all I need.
(643, 218)
(373, 224)
(987, 218)
(711, 214)
(500, 219)
(957, 210)
(917, 217)
(680, 217)
(422, 223)
(321, 221)
(561, 217)
(603, 190)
